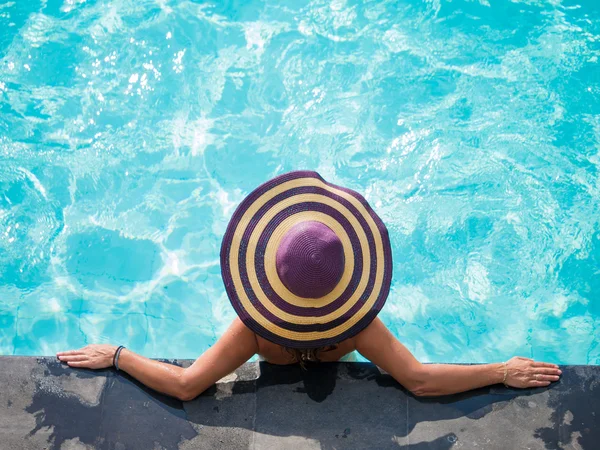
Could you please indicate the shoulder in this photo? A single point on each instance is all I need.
(375, 335)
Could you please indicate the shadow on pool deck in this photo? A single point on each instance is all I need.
(46, 405)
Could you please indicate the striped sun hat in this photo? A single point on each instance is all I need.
(306, 263)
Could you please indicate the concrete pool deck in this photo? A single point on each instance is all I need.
(46, 405)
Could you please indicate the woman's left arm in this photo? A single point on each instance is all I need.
(377, 344)
(234, 348)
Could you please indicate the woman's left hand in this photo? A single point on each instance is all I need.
(527, 373)
(93, 356)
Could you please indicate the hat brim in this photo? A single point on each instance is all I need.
(249, 271)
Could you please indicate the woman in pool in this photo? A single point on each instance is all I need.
(307, 266)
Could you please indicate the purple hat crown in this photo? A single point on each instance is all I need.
(310, 259)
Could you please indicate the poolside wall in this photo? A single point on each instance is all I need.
(46, 405)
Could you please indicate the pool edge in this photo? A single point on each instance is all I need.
(45, 404)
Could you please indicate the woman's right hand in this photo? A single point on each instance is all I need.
(93, 356)
(526, 373)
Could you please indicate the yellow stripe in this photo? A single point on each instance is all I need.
(271, 257)
(328, 220)
(256, 287)
(234, 256)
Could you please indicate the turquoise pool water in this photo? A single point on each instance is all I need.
(130, 130)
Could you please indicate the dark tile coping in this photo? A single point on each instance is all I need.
(47, 405)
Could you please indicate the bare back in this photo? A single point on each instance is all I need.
(276, 354)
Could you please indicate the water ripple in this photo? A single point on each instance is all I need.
(130, 131)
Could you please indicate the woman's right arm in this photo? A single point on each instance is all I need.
(234, 348)
(378, 345)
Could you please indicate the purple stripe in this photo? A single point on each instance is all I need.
(288, 325)
(230, 288)
(331, 211)
(290, 343)
(260, 261)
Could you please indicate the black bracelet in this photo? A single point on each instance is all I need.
(117, 357)
(118, 350)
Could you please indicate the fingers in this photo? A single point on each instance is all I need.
(70, 352)
(535, 383)
(547, 378)
(547, 371)
(69, 358)
(78, 363)
(543, 364)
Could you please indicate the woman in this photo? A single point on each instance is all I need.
(307, 266)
